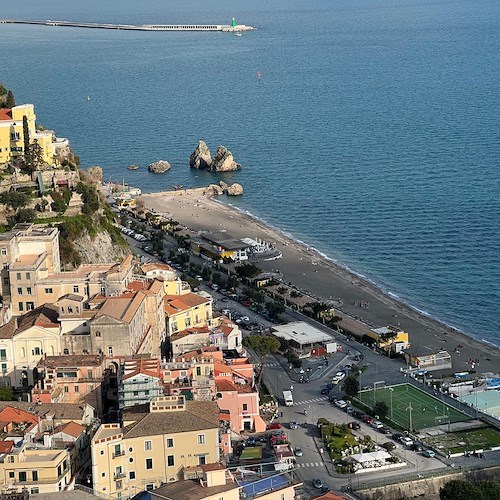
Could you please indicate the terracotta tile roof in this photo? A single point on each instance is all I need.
(12, 414)
(5, 114)
(189, 331)
(71, 428)
(225, 385)
(123, 307)
(188, 356)
(60, 411)
(175, 304)
(45, 316)
(6, 446)
(199, 415)
(153, 266)
(74, 360)
(192, 489)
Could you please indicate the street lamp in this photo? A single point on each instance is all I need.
(392, 390)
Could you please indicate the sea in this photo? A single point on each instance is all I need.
(368, 129)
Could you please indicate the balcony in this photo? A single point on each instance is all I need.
(118, 475)
(118, 453)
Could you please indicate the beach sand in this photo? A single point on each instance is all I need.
(320, 277)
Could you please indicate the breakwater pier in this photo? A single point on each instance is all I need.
(233, 27)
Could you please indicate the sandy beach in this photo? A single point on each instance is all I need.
(320, 277)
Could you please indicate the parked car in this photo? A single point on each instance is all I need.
(349, 410)
(429, 454)
(325, 391)
(366, 419)
(377, 424)
(357, 413)
(293, 424)
(251, 441)
(407, 441)
(341, 404)
(273, 426)
(397, 436)
(317, 483)
(298, 451)
(354, 425)
(384, 430)
(416, 447)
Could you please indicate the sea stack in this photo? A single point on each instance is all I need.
(223, 161)
(201, 157)
(158, 167)
(235, 189)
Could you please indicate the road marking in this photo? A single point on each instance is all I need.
(310, 401)
(311, 464)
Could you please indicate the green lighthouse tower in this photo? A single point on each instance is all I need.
(233, 23)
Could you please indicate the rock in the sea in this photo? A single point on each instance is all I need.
(214, 190)
(200, 157)
(158, 167)
(223, 185)
(235, 189)
(223, 161)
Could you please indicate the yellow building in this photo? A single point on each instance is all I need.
(156, 443)
(12, 134)
(390, 338)
(37, 470)
(190, 310)
(172, 284)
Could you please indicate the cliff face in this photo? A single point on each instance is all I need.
(99, 249)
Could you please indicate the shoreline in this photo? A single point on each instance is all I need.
(301, 265)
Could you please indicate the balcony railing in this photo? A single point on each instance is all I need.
(119, 475)
(118, 453)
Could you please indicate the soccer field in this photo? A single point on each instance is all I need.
(426, 411)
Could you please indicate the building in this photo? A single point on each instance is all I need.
(241, 401)
(390, 339)
(204, 482)
(156, 443)
(425, 358)
(12, 135)
(139, 381)
(71, 379)
(172, 284)
(190, 339)
(191, 310)
(220, 247)
(302, 336)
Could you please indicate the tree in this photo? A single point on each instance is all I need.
(90, 198)
(274, 309)
(351, 386)
(6, 393)
(24, 215)
(262, 345)
(489, 489)
(14, 199)
(28, 163)
(36, 155)
(381, 409)
(248, 270)
(460, 490)
(10, 101)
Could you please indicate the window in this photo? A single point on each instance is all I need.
(35, 491)
(20, 306)
(174, 327)
(18, 276)
(97, 333)
(77, 389)
(198, 370)
(22, 476)
(245, 407)
(188, 322)
(170, 442)
(170, 460)
(66, 351)
(149, 463)
(66, 388)
(30, 306)
(131, 474)
(4, 367)
(28, 276)
(136, 393)
(19, 291)
(23, 352)
(201, 438)
(150, 487)
(28, 290)
(202, 460)
(35, 475)
(110, 351)
(76, 289)
(147, 446)
(12, 474)
(6, 281)
(3, 354)
(48, 290)
(37, 351)
(4, 251)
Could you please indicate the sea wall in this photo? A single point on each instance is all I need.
(427, 488)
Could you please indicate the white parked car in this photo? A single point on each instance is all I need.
(377, 424)
(406, 441)
(341, 404)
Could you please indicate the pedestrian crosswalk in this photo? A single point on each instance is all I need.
(310, 401)
(310, 464)
(272, 364)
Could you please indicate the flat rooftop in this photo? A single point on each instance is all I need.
(302, 333)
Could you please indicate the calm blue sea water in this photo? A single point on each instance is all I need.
(373, 133)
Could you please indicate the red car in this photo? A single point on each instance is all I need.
(367, 419)
(274, 426)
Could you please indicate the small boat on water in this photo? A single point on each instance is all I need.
(178, 187)
(238, 34)
(133, 167)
